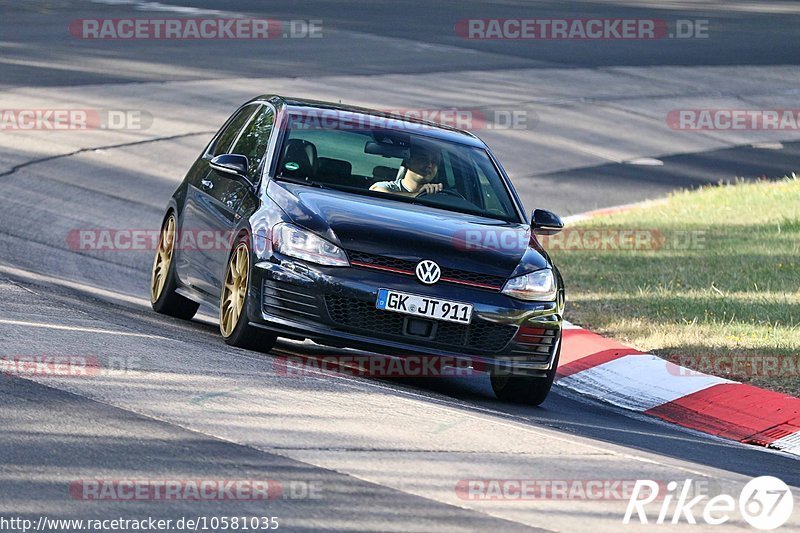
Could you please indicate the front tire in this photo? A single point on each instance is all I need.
(524, 389)
(163, 297)
(233, 321)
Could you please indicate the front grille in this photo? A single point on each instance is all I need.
(381, 261)
(289, 301)
(452, 275)
(480, 336)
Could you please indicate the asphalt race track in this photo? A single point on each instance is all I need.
(173, 402)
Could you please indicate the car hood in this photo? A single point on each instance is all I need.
(411, 232)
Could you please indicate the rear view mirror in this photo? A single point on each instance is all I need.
(544, 222)
(386, 150)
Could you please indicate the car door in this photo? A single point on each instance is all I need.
(235, 199)
(210, 210)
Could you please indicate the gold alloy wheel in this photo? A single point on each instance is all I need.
(163, 259)
(234, 291)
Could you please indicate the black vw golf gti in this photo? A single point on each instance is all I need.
(360, 229)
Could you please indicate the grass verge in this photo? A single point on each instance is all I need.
(709, 279)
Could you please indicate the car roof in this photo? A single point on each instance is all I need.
(431, 129)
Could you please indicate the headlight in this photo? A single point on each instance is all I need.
(296, 242)
(539, 285)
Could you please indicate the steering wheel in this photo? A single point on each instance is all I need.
(446, 191)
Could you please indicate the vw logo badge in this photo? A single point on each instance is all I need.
(428, 272)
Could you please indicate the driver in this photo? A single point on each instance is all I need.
(416, 175)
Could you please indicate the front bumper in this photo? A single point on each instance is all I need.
(336, 306)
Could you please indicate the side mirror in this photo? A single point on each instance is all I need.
(232, 164)
(544, 222)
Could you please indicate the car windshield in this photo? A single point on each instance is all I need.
(396, 163)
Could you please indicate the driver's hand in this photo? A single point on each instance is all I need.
(431, 188)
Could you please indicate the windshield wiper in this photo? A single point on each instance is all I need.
(458, 208)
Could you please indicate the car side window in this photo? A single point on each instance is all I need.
(252, 142)
(230, 132)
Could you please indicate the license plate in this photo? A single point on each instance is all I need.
(424, 306)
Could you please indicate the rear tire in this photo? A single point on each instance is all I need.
(233, 321)
(163, 297)
(524, 389)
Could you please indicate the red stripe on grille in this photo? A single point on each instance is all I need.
(388, 269)
(409, 273)
(471, 283)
